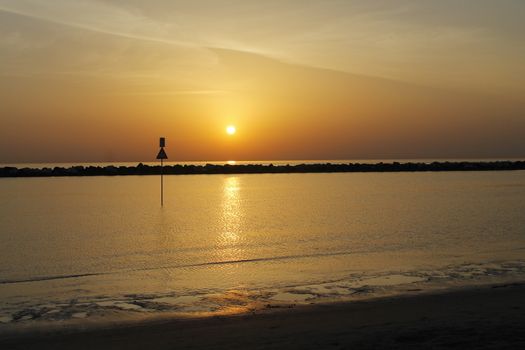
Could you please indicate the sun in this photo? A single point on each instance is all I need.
(230, 129)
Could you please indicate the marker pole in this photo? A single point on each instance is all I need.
(162, 155)
(161, 182)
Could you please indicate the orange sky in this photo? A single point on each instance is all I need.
(91, 81)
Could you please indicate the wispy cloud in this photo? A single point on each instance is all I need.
(404, 40)
(176, 92)
(96, 17)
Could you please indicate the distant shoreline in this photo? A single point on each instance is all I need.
(209, 169)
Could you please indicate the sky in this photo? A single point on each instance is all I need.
(101, 80)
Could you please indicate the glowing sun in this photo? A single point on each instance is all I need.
(230, 129)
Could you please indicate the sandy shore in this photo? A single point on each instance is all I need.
(490, 317)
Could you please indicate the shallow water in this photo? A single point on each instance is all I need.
(102, 247)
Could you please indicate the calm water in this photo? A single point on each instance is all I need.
(100, 247)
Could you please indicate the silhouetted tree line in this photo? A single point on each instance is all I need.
(142, 169)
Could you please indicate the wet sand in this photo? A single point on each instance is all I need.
(488, 317)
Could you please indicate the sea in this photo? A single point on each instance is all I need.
(78, 251)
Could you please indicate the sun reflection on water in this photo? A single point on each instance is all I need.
(231, 220)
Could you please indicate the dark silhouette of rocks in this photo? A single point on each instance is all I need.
(185, 169)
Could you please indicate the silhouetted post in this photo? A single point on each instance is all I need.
(162, 155)
(162, 182)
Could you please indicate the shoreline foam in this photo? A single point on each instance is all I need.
(484, 316)
(92, 310)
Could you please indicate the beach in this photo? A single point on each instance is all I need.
(486, 317)
(242, 174)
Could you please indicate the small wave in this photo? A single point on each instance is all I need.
(55, 277)
(209, 263)
(273, 258)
